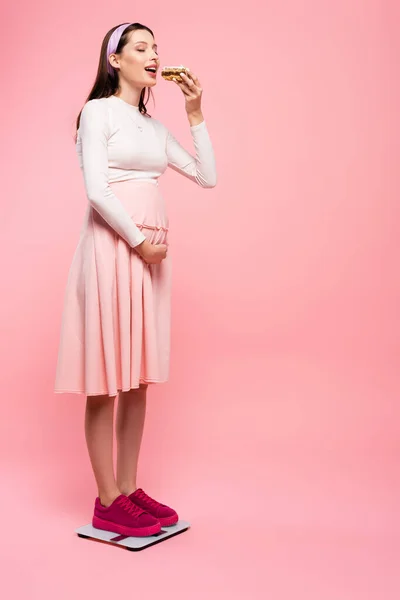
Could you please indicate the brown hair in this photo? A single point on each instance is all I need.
(106, 85)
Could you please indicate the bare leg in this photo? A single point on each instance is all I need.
(131, 414)
(99, 421)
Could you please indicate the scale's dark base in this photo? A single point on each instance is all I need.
(128, 542)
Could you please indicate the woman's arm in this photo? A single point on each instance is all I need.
(199, 168)
(93, 132)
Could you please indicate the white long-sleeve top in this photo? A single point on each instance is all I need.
(115, 142)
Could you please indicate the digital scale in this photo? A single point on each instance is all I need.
(130, 542)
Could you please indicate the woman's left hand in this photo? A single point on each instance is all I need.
(192, 91)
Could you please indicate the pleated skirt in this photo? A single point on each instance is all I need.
(115, 325)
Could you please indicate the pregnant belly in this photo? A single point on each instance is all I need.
(146, 207)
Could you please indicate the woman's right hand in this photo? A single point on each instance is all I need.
(152, 254)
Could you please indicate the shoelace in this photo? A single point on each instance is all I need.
(143, 496)
(130, 507)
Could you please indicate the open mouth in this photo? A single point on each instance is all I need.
(151, 70)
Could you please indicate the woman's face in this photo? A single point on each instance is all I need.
(137, 56)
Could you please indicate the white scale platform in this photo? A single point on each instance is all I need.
(129, 542)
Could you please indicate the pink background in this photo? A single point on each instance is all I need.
(277, 435)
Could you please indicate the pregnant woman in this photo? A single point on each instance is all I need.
(115, 330)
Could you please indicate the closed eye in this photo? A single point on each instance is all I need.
(139, 50)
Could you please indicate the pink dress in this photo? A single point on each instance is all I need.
(115, 328)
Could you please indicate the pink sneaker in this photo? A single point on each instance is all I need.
(124, 517)
(167, 516)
